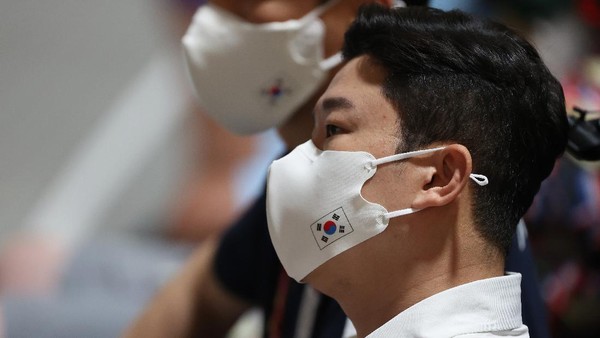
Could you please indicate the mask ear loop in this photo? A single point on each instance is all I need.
(400, 212)
(397, 157)
(331, 61)
(402, 156)
(336, 58)
(481, 180)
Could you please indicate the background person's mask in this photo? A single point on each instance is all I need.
(251, 77)
(315, 210)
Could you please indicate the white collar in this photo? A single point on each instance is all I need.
(487, 305)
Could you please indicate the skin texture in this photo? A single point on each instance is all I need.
(194, 303)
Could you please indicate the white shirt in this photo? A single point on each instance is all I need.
(484, 308)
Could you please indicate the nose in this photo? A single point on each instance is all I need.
(318, 137)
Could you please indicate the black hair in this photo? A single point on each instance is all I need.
(456, 78)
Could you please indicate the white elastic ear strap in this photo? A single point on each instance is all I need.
(336, 58)
(399, 157)
(403, 156)
(331, 61)
(400, 212)
(481, 180)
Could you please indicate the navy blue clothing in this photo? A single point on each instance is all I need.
(247, 265)
(533, 307)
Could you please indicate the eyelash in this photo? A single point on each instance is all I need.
(331, 130)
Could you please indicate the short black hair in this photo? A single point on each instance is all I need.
(456, 78)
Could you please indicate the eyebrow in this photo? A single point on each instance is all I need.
(334, 103)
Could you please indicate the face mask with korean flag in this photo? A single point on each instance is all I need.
(315, 209)
(250, 77)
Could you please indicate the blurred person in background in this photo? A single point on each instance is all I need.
(248, 80)
(50, 288)
(207, 203)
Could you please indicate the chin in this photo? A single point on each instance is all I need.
(323, 279)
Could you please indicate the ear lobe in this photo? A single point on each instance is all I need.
(447, 179)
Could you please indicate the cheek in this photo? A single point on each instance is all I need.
(386, 188)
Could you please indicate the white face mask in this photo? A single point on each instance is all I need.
(251, 77)
(315, 209)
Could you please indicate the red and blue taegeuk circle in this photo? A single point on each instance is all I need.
(329, 227)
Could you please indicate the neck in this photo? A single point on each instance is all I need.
(369, 307)
(403, 275)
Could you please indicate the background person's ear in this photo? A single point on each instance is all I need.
(447, 176)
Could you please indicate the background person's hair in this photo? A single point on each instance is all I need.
(456, 78)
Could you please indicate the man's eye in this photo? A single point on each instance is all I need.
(332, 130)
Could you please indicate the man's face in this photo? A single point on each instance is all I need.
(354, 115)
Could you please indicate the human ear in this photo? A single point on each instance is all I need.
(447, 175)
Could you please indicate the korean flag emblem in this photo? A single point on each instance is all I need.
(277, 89)
(331, 227)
